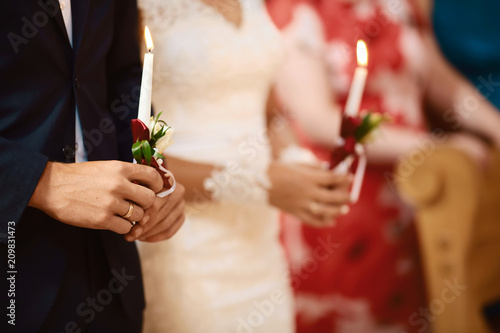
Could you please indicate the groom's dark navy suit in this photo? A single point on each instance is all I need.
(68, 279)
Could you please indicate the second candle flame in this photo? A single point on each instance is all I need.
(149, 39)
(362, 53)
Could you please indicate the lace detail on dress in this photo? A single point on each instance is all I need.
(168, 12)
(241, 184)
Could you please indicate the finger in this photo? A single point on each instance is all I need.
(172, 201)
(130, 236)
(165, 223)
(136, 210)
(142, 196)
(319, 165)
(134, 233)
(178, 195)
(155, 214)
(165, 205)
(146, 176)
(118, 225)
(330, 179)
(331, 197)
(169, 233)
(315, 220)
(325, 177)
(308, 218)
(322, 177)
(145, 219)
(331, 212)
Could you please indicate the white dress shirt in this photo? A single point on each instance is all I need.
(80, 155)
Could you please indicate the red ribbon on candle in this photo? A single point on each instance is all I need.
(348, 130)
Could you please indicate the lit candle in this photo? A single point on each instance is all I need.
(358, 81)
(147, 82)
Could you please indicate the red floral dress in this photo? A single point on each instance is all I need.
(363, 275)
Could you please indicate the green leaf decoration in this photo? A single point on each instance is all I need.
(158, 116)
(147, 151)
(155, 136)
(152, 142)
(137, 152)
(158, 135)
(164, 131)
(371, 122)
(158, 155)
(364, 128)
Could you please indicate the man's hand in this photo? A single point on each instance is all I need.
(162, 220)
(96, 195)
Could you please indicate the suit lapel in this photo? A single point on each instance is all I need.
(79, 10)
(58, 19)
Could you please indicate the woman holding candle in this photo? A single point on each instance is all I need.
(373, 281)
(225, 271)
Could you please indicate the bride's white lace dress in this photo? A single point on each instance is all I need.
(225, 270)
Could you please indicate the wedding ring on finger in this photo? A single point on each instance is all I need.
(314, 207)
(130, 211)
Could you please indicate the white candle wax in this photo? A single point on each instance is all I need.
(146, 89)
(356, 92)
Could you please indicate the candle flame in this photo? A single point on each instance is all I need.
(149, 39)
(362, 53)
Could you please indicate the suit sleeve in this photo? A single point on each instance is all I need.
(124, 71)
(20, 172)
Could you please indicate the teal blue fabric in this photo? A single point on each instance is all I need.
(468, 32)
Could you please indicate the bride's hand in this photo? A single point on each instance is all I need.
(312, 194)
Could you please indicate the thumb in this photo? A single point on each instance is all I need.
(318, 165)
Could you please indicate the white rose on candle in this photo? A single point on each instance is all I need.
(160, 135)
(156, 128)
(166, 141)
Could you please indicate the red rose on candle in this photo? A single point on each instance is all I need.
(144, 148)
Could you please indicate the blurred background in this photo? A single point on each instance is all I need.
(420, 250)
